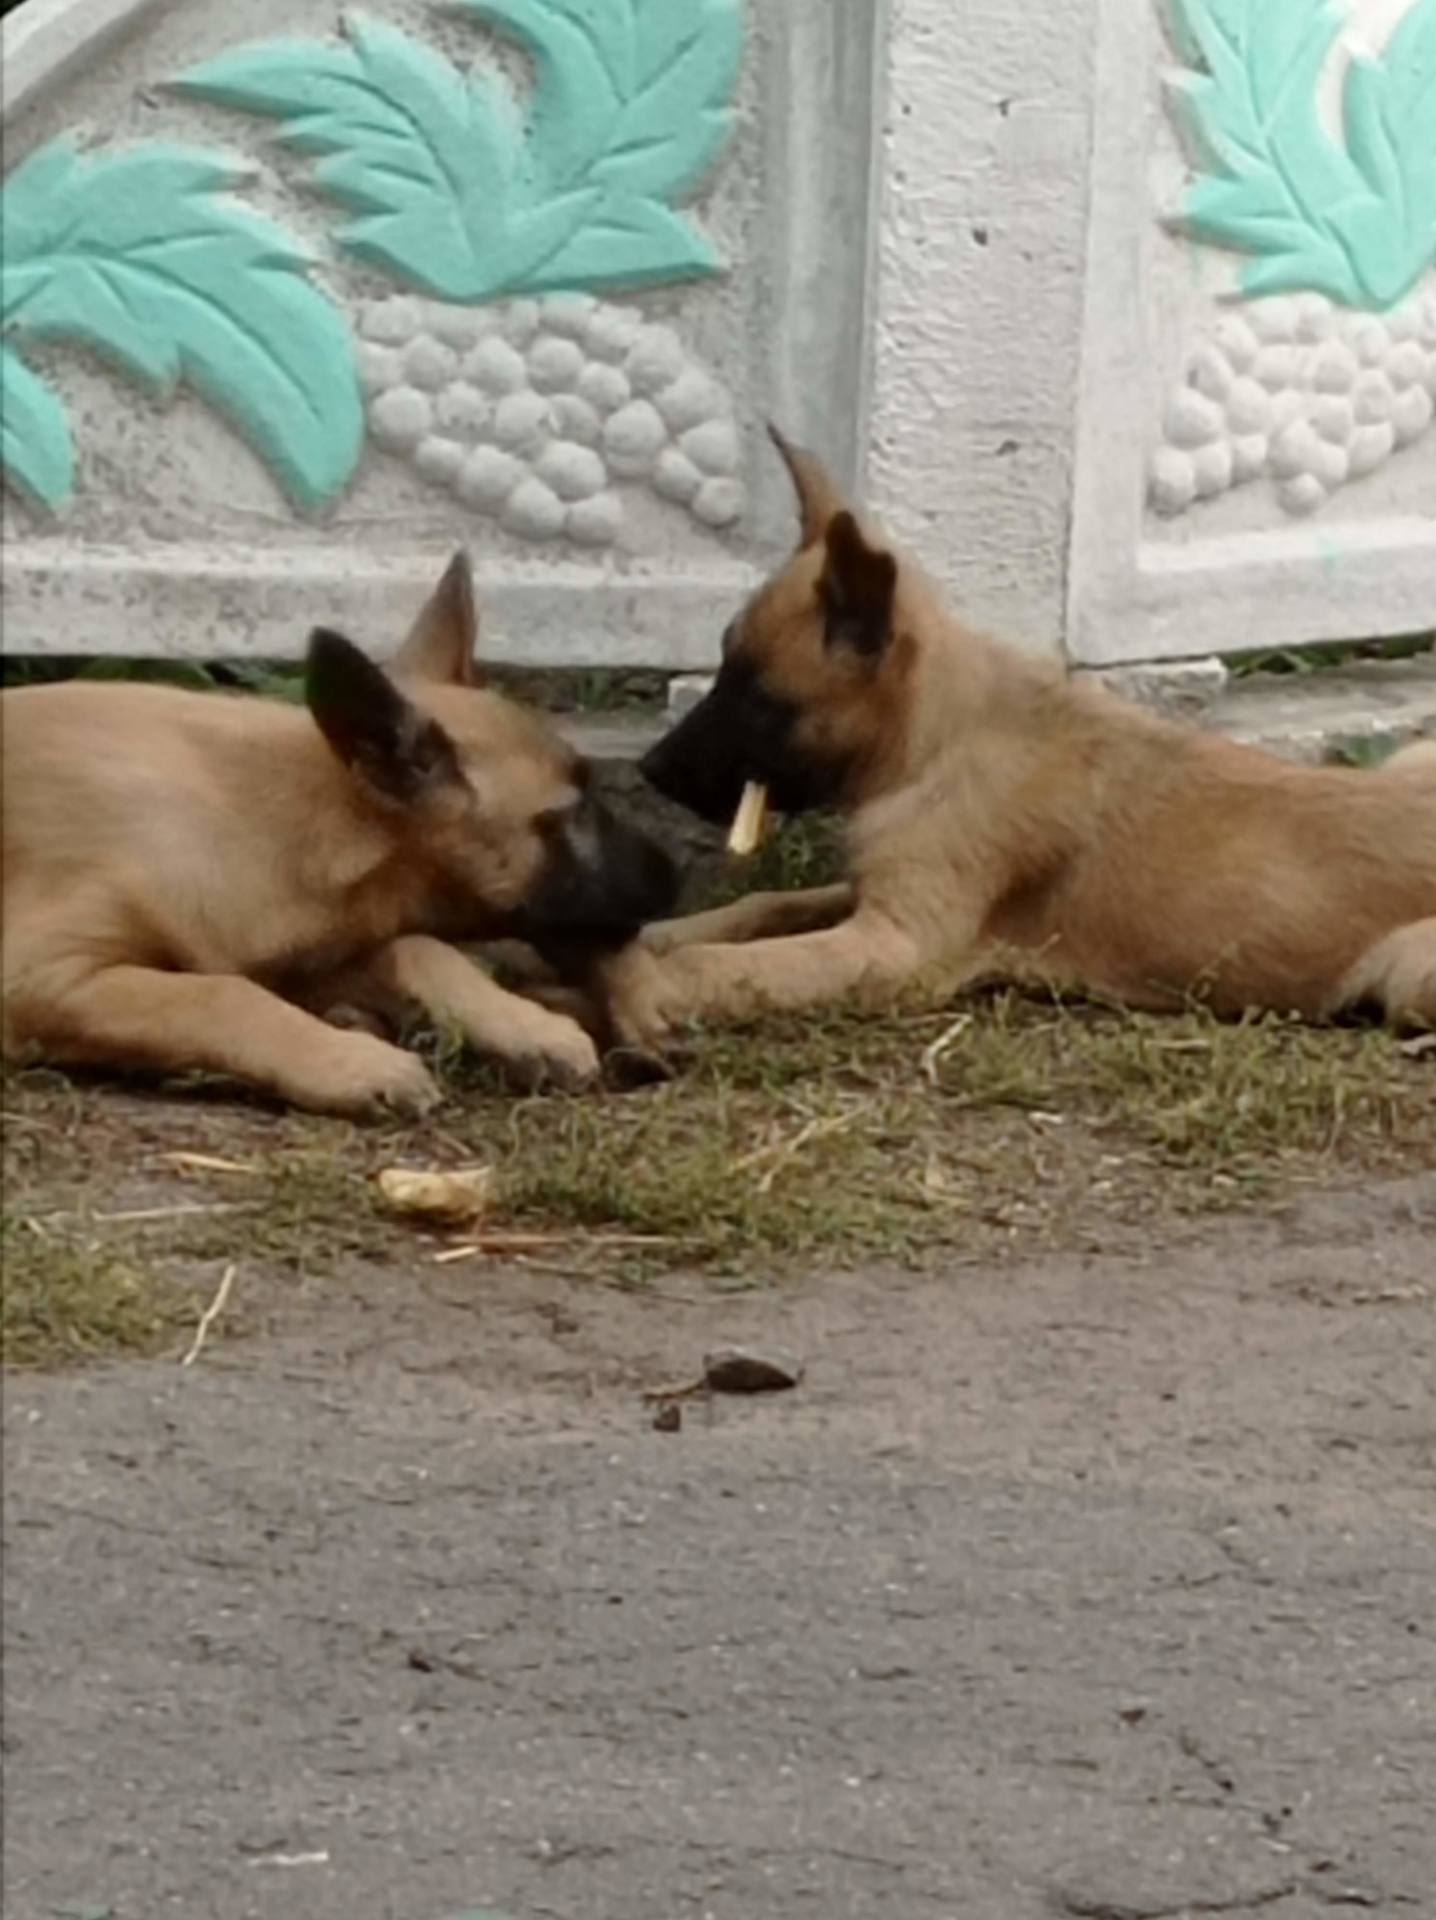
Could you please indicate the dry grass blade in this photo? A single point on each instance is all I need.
(210, 1163)
(783, 1152)
(932, 1056)
(519, 1243)
(211, 1313)
(137, 1216)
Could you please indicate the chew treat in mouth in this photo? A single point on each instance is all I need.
(750, 822)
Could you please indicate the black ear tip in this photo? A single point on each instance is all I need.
(331, 660)
(845, 536)
(328, 640)
(458, 575)
(327, 649)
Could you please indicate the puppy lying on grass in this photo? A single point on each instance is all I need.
(1005, 820)
(185, 874)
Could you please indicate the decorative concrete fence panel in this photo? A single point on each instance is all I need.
(296, 299)
(1256, 464)
(1125, 319)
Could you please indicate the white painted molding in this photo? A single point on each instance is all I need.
(214, 603)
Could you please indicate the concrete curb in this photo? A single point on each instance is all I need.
(1341, 712)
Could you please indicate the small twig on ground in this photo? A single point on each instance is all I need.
(210, 1163)
(133, 1215)
(780, 1152)
(209, 1316)
(933, 1056)
(542, 1242)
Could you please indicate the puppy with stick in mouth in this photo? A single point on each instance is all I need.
(189, 878)
(1006, 821)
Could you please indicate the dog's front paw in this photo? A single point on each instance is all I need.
(557, 1053)
(366, 1079)
(644, 1000)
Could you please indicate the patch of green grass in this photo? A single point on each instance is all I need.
(1365, 754)
(850, 1138)
(582, 689)
(65, 1298)
(936, 1133)
(274, 680)
(1324, 656)
(807, 852)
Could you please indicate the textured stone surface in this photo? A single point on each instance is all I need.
(1306, 717)
(1185, 690)
(982, 245)
(1377, 705)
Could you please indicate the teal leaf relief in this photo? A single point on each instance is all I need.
(133, 253)
(35, 447)
(1355, 221)
(459, 192)
(1391, 132)
(635, 242)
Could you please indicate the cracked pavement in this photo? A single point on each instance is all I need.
(1097, 1587)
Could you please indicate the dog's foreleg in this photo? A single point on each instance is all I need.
(535, 1044)
(757, 916)
(138, 1017)
(866, 957)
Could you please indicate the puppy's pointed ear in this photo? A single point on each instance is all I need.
(818, 495)
(440, 644)
(856, 588)
(380, 736)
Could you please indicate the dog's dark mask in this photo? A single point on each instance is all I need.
(601, 880)
(738, 732)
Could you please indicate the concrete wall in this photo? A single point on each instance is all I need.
(960, 249)
(982, 238)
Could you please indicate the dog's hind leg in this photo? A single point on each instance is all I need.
(756, 916)
(1416, 761)
(1398, 974)
(138, 1017)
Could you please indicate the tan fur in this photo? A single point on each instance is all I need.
(997, 807)
(182, 871)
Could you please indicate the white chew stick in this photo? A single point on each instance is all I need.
(750, 821)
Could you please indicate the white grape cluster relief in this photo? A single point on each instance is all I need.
(538, 413)
(1304, 392)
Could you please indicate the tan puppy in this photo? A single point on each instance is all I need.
(184, 872)
(1000, 812)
